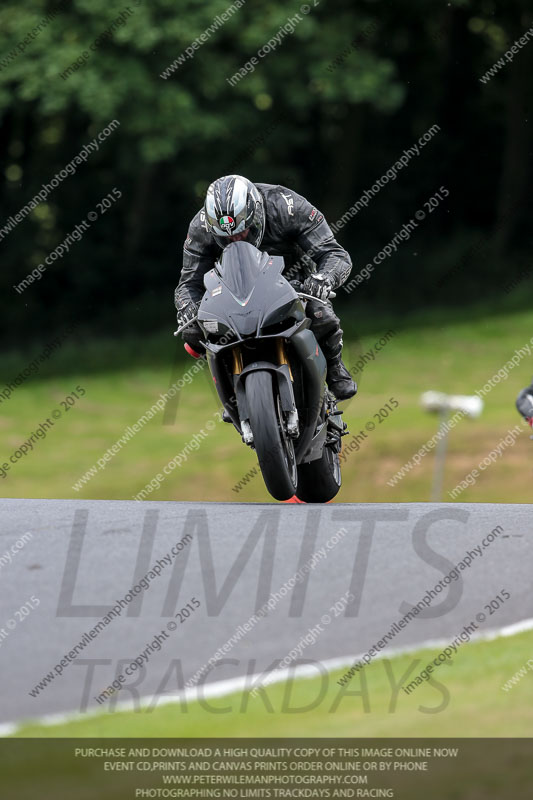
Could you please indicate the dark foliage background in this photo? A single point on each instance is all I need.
(327, 113)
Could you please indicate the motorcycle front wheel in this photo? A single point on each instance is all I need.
(275, 451)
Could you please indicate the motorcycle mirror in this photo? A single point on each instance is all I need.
(176, 333)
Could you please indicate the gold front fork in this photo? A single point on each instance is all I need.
(282, 355)
(237, 360)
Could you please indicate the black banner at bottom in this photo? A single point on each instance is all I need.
(126, 769)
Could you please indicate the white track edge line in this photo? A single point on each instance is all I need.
(231, 685)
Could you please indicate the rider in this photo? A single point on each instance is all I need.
(281, 223)
(524, 403)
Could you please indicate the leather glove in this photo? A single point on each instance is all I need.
(187, 312)
(318, 285)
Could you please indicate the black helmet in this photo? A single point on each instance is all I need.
(234, 210)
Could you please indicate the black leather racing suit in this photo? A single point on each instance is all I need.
(295, 230)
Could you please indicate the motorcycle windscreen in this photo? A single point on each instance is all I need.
(239, 268)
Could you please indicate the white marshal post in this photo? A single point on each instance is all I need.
(442, 404)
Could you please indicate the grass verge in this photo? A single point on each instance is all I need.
(457, 357)
(464, 698)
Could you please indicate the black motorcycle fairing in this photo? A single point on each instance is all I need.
(313, 362)
(224, 387)
(239, 269)
(314, 450)
(246, 293)
(216, 348)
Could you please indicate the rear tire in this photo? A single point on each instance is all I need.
(319, 481)
(275, 452)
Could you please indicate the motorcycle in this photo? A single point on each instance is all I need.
(270, 373)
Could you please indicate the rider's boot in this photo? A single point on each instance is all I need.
(339, 380)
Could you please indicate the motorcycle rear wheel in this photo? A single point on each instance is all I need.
(319, 481)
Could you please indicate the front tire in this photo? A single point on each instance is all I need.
(319, 481)
(275, 451)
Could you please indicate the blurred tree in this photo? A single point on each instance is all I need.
(328, 110)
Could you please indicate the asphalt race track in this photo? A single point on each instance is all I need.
(230, 559)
